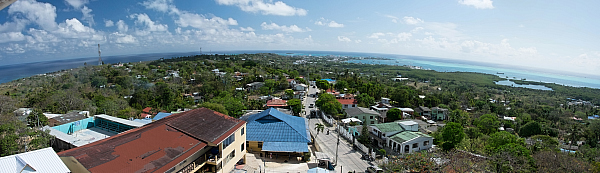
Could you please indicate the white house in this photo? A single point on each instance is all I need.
(402, 136)
(42, 160)
(300, 87)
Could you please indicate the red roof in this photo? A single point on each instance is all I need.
(276, 103)
(289, 80)
(330, 91)
(158, 146)
(147, 110)
(347, 101)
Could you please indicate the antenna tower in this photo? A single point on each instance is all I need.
(99, 56)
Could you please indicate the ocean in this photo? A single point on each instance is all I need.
(17, 71)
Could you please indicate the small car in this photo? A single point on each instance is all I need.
(374, 169)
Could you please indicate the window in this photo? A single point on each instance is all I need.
(228, 141)
(372, 122)
(415, 145)
(371, 117)
(260, 144)
(242, 131)
(425, 143)
(243, 147)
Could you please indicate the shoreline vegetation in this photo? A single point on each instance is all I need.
(478, 107)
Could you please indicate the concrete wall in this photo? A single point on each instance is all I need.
(236, 146)
(76, 125)
(253, 146)
(365, 118)
(419, 140)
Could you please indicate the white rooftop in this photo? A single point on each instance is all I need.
(347, 120)
(81, 137)
(42, 160)
(406, 109)
(408, 123)
(120, 120)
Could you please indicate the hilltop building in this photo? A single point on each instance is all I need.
(200, 140)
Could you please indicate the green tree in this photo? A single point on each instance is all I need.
(452, 134)
(394, 114)
(215, 107)
(328, 104)
(340, 85)
(488, 124)
(37, 119)
(270, 83)
(459, 116)
(322, 84)
(499, 139)
(364, 138)
(319, 127)
(530, 129)
(544, 142)
(289, 93)
(364, 100)
(296, 105)
(472, 132)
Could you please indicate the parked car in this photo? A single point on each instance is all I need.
(374, 169)
(311, 105)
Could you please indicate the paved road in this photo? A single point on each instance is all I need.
(348, 159)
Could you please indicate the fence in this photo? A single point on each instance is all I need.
(344, 133)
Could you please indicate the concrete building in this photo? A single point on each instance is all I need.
(439, 114)
(200, 140)
(423, 111)
(254, 86)
(366, 115)
(400, 136)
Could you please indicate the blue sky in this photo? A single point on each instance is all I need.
(557, 35)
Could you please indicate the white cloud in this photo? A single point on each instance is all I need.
(417, 29)
(77, 3)
(404, 36)
(159, 5)
(109, 23)
(521, 26)
(11, 36)
(123, 38)
(42, 14)
(122, 26)
(147, 24)
(328, 23)
(266, 8)
(412, 20)
(376, 35)
(87, 15)
(357, 41)
(394, 18)
(344, 39)
(274, 26)
(201, 22)
(479, 4)
(73, 28)
(247, 29)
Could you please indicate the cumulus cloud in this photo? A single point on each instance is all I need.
(328, 23)
(42, 14)
(376, 35)
(274, 26)
(249, 29)
(77, 3)
(479, 4)
(11, 36)
(412, 20)
(73, 28)
(265, 7)
(147, 24)
(122, 26)
(109, 23)
(87, 15)
(159, 5)
(202, 22)
(389, 38)
(344, 39)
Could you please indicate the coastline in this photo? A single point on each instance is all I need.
(17, 71)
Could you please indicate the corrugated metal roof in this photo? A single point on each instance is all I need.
(407, 136)
(360, 110)
(389, 127)
(285, 146)
(272, 125)
(161, 115)
(156, 147)
(42, 160)
(120, 120)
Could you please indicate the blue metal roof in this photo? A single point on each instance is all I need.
(274, 126)
(160, 115)
(285, 146)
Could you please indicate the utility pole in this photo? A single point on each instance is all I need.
(338, 143)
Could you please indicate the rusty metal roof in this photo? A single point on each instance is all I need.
(158, 146)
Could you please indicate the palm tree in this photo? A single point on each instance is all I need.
(319, 127)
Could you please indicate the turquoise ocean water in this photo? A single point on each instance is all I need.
(16, 71)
